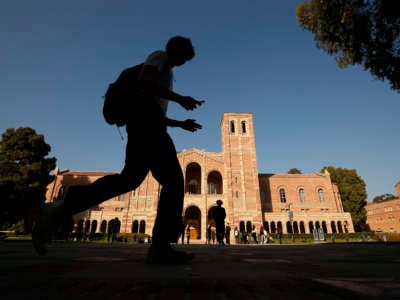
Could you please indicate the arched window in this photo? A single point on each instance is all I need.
(311, 226)
(193, 178)
(193, 187)
(302, 195)
(302, 228)
(135, 226)
(241, 226)
(87, 226)
(94, 227)
(121, 197)
(232, 127)
(282, 195)
(214, 181)
(212, 188)
(248, 226)
(266, 226)
(289, 227)
(273, 227)
(142, 226)
(333, 227)
(321, 195)
(103, 226)
(243, 127)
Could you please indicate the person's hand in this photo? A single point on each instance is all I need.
(190, 125)
(189, 103)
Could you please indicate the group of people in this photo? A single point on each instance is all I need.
(244, 237)
(211, 235)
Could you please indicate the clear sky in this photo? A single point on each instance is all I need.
(58, 57)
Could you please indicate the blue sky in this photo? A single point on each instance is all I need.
(58, 57)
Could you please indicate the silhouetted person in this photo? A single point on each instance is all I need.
(115, 229)
(209, 234)
(110, 232)
(219, 215)
(228, 234)
(149, 148)
(187, 234)
(254, 234)
(279, 235)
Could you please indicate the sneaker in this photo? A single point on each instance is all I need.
(45, 225)
(167, 256)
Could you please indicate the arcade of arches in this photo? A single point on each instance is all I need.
(250, 198)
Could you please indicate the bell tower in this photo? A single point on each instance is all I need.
(241, 171)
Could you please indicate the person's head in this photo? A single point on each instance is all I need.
(179, 50)
(219, 202)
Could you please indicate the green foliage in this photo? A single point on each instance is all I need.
(353, 193)
(24, 173)
(295, 171)
(383, 198)
(357, 32)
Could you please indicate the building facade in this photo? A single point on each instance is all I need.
(295, 203)
(385, 216)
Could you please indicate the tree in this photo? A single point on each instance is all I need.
(353, 193)
(294, 171)
(383, 198)
(24, 173)
(357, 32)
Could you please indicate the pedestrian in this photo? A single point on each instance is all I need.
(244, 237)
(228, 234)
(213, 234)
(279, 235)
(187, 234)
(149, 148)
(263, 233)
(236, 234)
(209, 234)
(219, 215)
(183, 233)
(254, 234)
(115, 229)
(110, 230)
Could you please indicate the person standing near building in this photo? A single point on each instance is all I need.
(228, 234)
(209, 234)
(254, 234)
(188, 234)
(236, 234)
(149, 148)
(219, 217)
(115, 229)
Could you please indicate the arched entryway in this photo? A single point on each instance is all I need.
(192, 219)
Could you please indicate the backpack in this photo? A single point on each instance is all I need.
(120, 96)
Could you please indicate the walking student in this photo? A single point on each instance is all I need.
(149, 148)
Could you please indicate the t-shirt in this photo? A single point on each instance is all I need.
(159, 59)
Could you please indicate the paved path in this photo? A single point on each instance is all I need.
(101, 271)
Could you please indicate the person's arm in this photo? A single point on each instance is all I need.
(188, 124)
(148, 81)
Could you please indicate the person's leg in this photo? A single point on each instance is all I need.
(167, 228)
(80, 198)
(167, 171)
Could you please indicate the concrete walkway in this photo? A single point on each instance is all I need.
(101, 271)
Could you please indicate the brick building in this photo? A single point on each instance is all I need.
(293, 202)
(385, 216)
